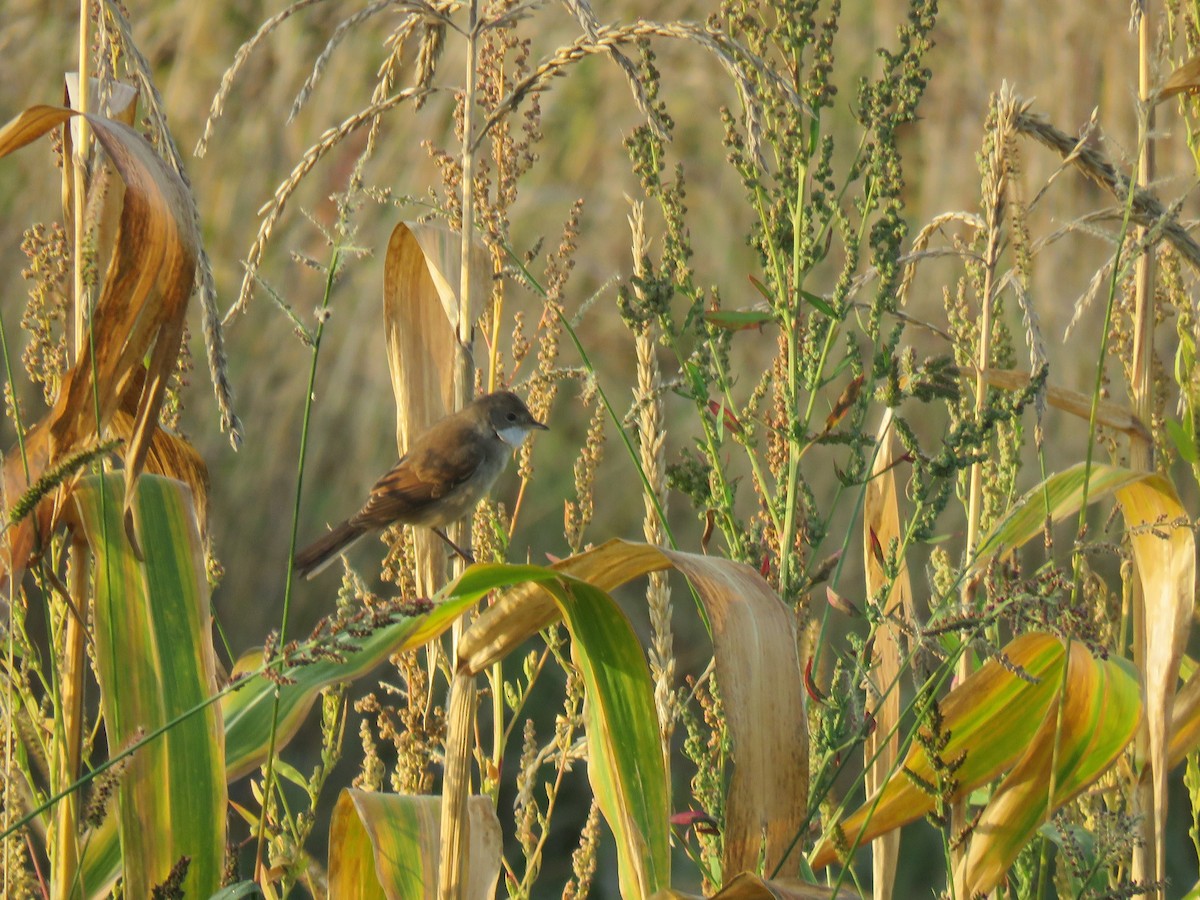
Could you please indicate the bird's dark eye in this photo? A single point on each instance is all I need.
(512, 417)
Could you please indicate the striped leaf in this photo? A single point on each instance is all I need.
(386, 845)
(248, 709)
(757, 663)
(1100, 713)
(1004, 717)
(155, 661)
(625, 762)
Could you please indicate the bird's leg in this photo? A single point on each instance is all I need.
(466, 557)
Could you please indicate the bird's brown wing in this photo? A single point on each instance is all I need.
(415, 483)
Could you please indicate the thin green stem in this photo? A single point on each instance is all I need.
(9, 687)
(791, 322)
(616, 419)
(533, 283)
(269, 778)
(755, 464)
(1118, 271)
(720, 487)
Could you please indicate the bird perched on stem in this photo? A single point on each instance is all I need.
(445, 472)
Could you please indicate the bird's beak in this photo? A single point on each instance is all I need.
(540, 426)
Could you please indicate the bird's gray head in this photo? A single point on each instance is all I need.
(509, 417)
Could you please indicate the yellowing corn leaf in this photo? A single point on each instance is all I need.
(1057, 497)
(386, 845)
(138, 315)
(155, 662)
(1164, 549)
(758, 672)
(625, 762)
(881, 525)
(420, 315)
(993, 719)
(352, 870)
(754, 645)
(1100, 714)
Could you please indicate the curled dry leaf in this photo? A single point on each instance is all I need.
(420, 314)
(173, 457)
(881, 525)
(755, 646)
(137, 321)
(1164, 548)
(106, 191)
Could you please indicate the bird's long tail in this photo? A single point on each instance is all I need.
(313, 559)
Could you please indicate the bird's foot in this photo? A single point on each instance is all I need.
(463, 554)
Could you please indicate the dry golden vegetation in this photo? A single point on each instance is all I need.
(867, 342)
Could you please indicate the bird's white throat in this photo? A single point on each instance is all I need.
(513, 435)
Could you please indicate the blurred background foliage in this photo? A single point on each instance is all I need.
(1072, 58)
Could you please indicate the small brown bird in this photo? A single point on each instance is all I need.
(443, 475)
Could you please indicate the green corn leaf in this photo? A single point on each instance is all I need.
(154, 659)
(625, 762)
(248, 710)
